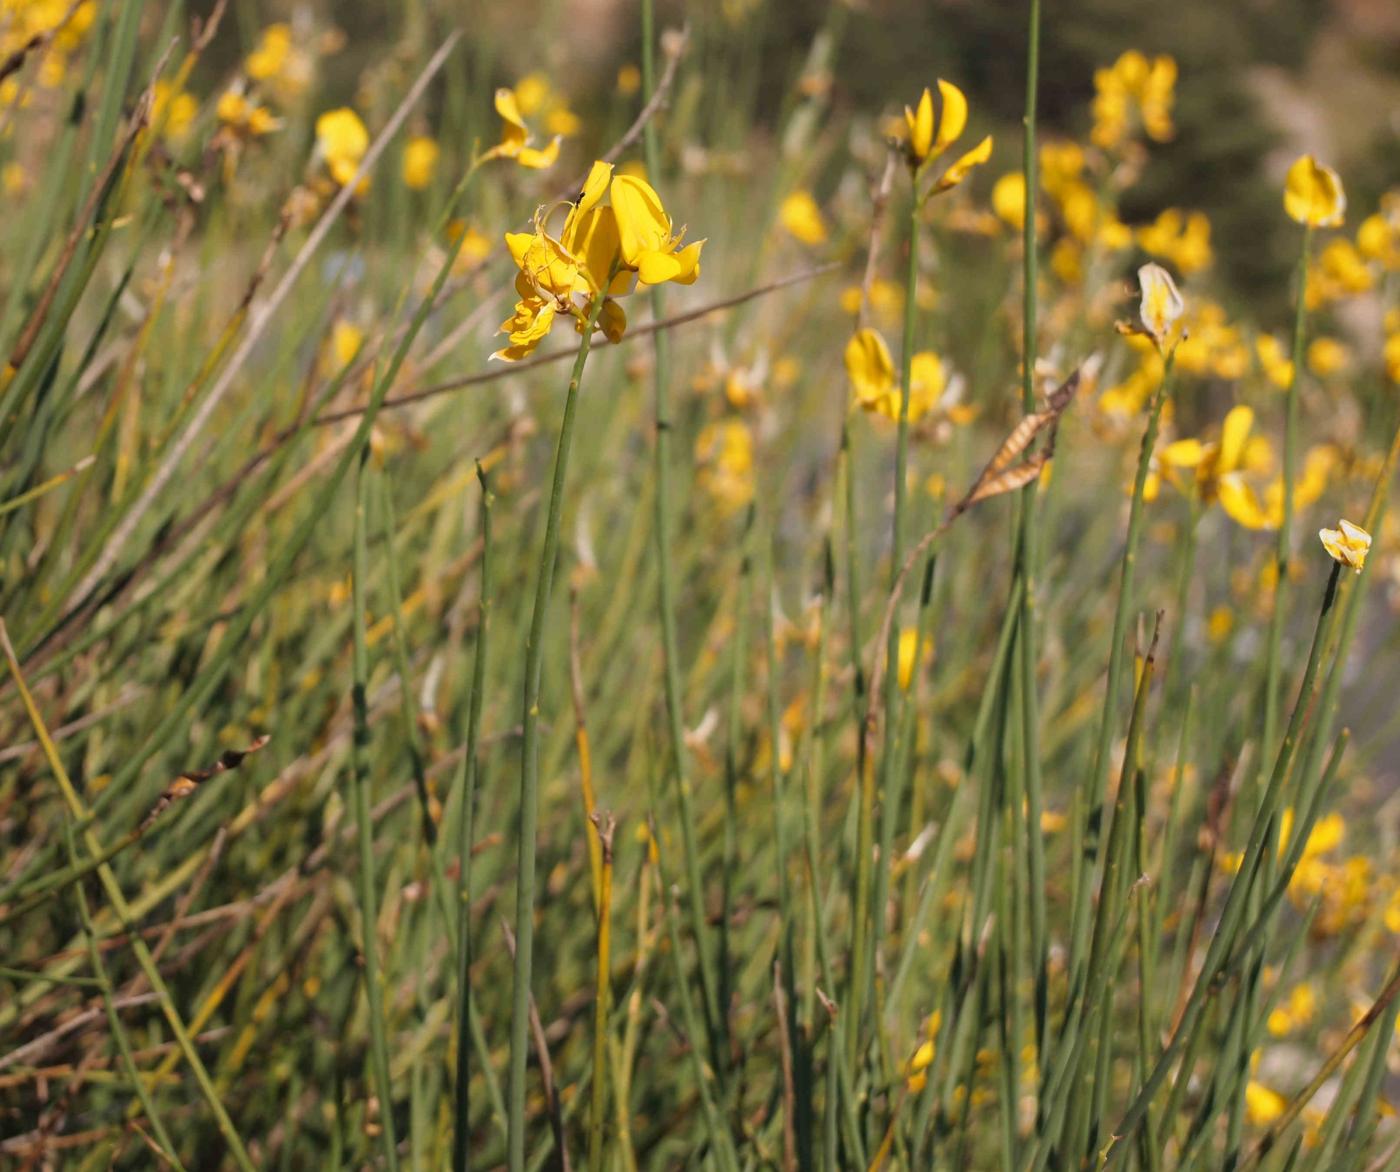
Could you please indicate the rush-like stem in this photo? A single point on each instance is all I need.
(466, 784)
(364, 827)
(666, 604)
(530, 765)
(1273, 670)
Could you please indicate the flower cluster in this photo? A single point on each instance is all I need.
(596, 255)
(1134, 93)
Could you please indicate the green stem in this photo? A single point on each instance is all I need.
(1273, 664)
(713, 1011)
(364, 821)
(466, 786)
(530, 764)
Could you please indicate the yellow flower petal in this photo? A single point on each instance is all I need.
(1161, 303)
(920, 127)
(1312, 194)
(1347, 544)
(869, 367)
(960, 168)
(1233, 434)
(952, 120)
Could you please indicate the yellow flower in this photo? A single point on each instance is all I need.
(908, 653)
(515, 136)
(273, 50)
(1183, 239)
(172, 113)
(341, 140)
(1134, 91)
(1327, 356)
(1296, 1011)
(870, 369)
(1312, 194)
(595, 254)
(244, 117)
(928, 135)
(927, 382)
(649, 247)
(420, 160)
(629, 80)
(1348, 544)
(1009, 199)
(724, 451)
(1277, 367)
(1161, 305)
(346, 339)
(1261, 1104)
(800, 215)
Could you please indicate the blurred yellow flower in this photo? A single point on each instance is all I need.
(475, 248)
(800, 215)
(243, 117)
(1276, 365)
(629, 80)
(1179, 237)
(1295, 1011)
(870, 369)
(908, 654)
(1327, 356)
(1009, 199)
(346, 339)
(1262, 1105)
(420, 160)
(172, 113)
(279, 63)
(1313, 195)
(724, 453)
(1133, 91)
(341, 140)
(1347, 544)
(515, 136)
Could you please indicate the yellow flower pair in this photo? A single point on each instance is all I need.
(929, 134)
(876, 385)
(597, 253)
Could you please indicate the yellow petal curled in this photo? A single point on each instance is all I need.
(1347, 544)
(1312, 194)
(869, 367)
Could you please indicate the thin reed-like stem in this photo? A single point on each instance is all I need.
(530, 763)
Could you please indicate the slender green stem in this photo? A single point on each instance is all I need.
(466, 785)
(364, 823)
(530, 763)
(1273, 669)
(713, 1011)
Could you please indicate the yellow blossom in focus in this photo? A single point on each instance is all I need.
(928, 135)
(649, 246)
(1348, 544)
(341, 140)
(1181, 238)
(1133, 92)
(800, 215)
(1313, 195)
(420, 160)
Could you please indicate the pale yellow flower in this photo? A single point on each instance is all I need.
(1347, 544)
(1161, 305)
